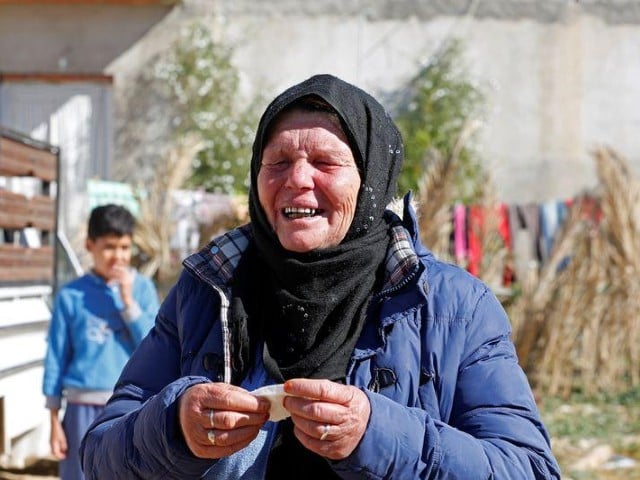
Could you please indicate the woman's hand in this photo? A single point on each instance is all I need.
(218, 419)
(329, 418)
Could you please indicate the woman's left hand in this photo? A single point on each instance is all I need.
(329, 418)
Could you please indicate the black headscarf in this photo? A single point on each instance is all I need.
(307, 309)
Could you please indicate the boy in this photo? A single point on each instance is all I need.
(97, 322)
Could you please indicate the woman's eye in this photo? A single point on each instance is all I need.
(274, 162)
(326, 162)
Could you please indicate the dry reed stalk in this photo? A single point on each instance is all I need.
(155, 223)
(529, 314)
(578, 329)
(495, 256)
(234, 216)
(436, 192)
(621, 223)
(575, 324)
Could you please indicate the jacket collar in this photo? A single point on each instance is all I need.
(216, 262)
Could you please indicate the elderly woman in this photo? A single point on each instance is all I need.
(394, 364)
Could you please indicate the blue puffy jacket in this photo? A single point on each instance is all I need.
(448, 398)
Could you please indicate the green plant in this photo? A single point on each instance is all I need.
(439, 110)
(203, 85)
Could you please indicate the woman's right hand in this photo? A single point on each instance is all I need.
(218, 419)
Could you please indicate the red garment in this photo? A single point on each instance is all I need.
(475, 232)
(504, 229)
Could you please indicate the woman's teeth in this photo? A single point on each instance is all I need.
(293, 212)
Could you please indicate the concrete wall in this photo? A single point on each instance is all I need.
(556, 88)
(561, 76)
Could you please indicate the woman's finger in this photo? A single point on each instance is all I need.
(316, 410)
(332, 422)
(324, 390)
(318, 430)
(226, 438)
(222, 396)
(228, 420)
(213, 443)
(218, 419)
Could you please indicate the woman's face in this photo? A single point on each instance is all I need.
(308, 181)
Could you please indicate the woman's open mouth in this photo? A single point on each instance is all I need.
(294, 212)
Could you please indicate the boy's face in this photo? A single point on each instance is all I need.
(111, 254)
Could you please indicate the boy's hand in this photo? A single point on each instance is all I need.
(58, 440)
(124, 277)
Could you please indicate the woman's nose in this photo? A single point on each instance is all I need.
(300, 175)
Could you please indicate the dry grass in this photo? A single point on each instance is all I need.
(436, 195)
(577, 329)
(575, 321)
(156, 223)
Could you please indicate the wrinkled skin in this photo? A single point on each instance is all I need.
(307, 164)
(238, 416)
(316, 403)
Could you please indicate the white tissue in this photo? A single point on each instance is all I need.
(275, 394)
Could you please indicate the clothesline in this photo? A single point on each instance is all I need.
(528, 232)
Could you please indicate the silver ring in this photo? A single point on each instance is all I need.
(212, 437)
(211, 418)
(325, 432)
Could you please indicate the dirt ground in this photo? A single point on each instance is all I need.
(44, 469)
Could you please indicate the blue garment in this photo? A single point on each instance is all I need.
(448, 398)
(77, 419)
(91, 337)
(552, 216)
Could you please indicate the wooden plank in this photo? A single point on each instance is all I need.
(14, 210)
(26, 274)
(14, 255)
(18, 211)
(55, 77)
(18, 264)
(18, 159)
(42, 213)
(10, 163)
